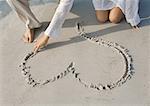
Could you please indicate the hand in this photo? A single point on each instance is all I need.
(136, 28)
(41, 42)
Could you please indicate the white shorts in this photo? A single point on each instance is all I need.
(109, 4)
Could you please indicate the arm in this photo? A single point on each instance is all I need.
(59, 17)
(55, 26)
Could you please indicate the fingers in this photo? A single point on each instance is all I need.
(36, 48)
(40, 43)
(136, 28)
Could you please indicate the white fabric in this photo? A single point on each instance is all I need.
(103, 4)
(21, 7)
(131, 12)
(129, 8)
(58, 19)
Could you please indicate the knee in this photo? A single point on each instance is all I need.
(102, 19)
(115, 17)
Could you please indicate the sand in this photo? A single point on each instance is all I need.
(95, 63)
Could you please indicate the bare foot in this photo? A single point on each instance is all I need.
(28, 36)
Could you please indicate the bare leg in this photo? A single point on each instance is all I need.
(24, 12)
(115, 15)
(102, 15)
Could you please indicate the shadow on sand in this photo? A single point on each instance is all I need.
(80, 8)
(85, 11)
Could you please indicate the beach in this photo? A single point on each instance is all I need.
(94, 63)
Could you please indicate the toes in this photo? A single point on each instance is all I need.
(29, 39)
(25, 39)
(28, 36)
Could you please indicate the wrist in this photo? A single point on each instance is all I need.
(47, 36)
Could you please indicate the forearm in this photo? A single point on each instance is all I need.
(59, 17)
